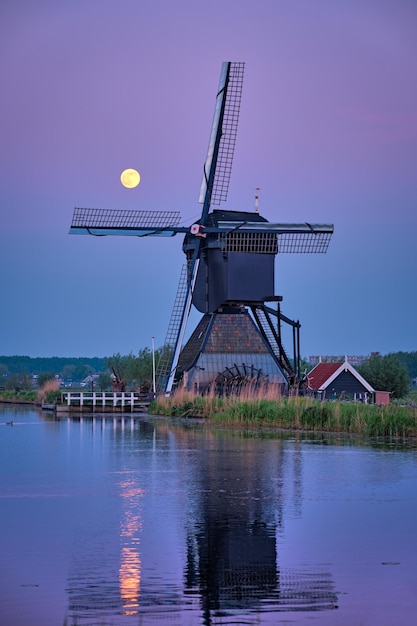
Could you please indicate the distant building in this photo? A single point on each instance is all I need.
(335, 380)
(340, 380)
(90, 380)
(353, 359)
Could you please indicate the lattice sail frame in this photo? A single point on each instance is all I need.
(270, 243)
(267, 238)
(114, 221)
(225, 122)
(303, 243)
(229, 132)
(256, 243)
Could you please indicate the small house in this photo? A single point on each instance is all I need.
(339, 381)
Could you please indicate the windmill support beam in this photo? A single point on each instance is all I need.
(293, 371)
(283, 317)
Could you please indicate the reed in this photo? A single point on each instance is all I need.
(187, 404)
(255, 407)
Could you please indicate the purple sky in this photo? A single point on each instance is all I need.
(328, 131)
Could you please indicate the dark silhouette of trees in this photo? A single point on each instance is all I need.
(386, 373)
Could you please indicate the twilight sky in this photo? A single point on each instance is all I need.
(328, 131)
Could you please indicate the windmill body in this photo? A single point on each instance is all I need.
(229, 275)
(235, 267)
(236, 270)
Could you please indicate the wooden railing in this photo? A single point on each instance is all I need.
(123, 400)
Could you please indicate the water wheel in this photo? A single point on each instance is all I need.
(233, 379)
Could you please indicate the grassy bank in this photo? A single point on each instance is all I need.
(18, 397)
(269, 410)
(36, 397)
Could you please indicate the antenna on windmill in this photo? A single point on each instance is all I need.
(257, 199)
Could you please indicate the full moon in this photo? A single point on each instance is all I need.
(130, 178)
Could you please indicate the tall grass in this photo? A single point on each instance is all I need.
(23, 397)
(266, 407)
(48, 393)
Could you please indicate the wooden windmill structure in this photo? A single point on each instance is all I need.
(229, 271)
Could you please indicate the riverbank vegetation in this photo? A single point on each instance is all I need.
(265, 409)
(389, 372)
(18, 397)
(49, 393)
(386, 373)
(33, 381)
(23, 373)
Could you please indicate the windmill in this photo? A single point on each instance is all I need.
(229, 271)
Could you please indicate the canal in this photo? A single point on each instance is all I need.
(141, 520)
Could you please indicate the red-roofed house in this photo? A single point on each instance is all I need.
(339, 380)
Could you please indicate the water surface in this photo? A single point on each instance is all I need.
(147, 521)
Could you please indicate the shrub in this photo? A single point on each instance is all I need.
(316, 416)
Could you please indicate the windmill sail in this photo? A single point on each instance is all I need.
(218, 165)
(274, 238)
(101, 222)
(229, 132)
(295, 238)
(163, 370)
(215, 180)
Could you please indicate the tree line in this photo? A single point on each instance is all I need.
(22, 372)
(387, 373)
(59, 365)
(392, 372)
